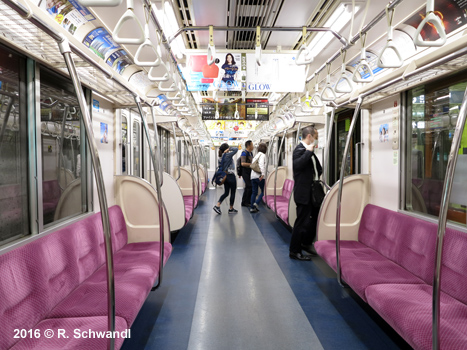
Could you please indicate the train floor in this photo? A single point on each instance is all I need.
(230, 284)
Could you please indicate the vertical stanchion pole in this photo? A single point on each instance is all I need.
(297, 138)
(445, 199)
(277, 167)
(195, 161)
(177, 155)
(341, 185)
(66, 52)
(158, 189)
(192, 173)
(327, 151)
(271, 142)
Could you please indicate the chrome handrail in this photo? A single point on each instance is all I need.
(271, 142)
(192, 172)
(297, 138)
(177, 154)
(341, 185)
(196, 166)
(66, 52)
(328, 149)
(445, 198)
(158, 146)
(158, 187)
(277, 167)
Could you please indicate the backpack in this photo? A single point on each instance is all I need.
(220, 175)
(239, 166)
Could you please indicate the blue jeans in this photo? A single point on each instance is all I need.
(255, 183)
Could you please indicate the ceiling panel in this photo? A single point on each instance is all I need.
(208, 12)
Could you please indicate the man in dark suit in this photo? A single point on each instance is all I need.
(306, 169)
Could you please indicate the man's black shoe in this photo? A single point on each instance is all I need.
(299, 256)
(310, 249)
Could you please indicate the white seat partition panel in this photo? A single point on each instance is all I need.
(138, 200)
(185, 182)
(70, 201)
(355, 196)
(281, 177)
(173, 202)
(202, 176)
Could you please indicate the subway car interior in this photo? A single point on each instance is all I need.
(233, 174)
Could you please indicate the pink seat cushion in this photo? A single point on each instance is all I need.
(97, 324)
(135, 269)
(407, 308)
(203, 186)
(283, 211)
(188, 207)
(279, 200)
(288, 188)
(362, 266)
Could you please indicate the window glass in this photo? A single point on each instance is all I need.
(61, 140)
(432, 116)
(14, 218)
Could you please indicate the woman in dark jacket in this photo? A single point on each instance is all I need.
(230, 184)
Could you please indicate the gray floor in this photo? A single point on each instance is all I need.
(244, 300)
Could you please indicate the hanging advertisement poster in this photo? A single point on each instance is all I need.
(100, 42)
(257, 109)
(119, 60)
(69, 13)
(277, 73)
(227, 108)
(227, 73)
(216, 128)
(164, 104)
(453, 13)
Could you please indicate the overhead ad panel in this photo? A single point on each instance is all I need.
(277, 73)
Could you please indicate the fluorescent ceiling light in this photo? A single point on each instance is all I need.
(170, 26)
(339, 18)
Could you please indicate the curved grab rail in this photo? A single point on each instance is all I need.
(29, 12)
(271, 142)
(434, 21)
(177, 154)
(445, 199)
(191, 168)
(100, 3)
(158, 188)
(390, 44)
(300, 59)
(211, 47)
(129, 15)
(341, 184)
(147, 43)
(157, 145)
(275, 174)
(177, 97)
(258, 51)
(86, 118)
(327, 150)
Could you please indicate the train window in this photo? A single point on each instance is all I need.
(14, 222)
(124, 145)
(63, 166)
(432, 116)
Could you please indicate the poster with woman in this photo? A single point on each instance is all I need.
(227, 73)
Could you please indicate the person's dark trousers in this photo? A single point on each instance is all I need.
(246, 173)
(255, 184)
(230, 185)
(304, 229)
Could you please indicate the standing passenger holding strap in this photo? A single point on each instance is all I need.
(230, 184)
(306, 173)
(257, 177)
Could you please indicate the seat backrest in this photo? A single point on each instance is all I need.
(288, 188)
(407, 241)
(37, 276)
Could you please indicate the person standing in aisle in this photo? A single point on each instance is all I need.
(257, 178)
(230, 184)
(306, 170)
(246, 159)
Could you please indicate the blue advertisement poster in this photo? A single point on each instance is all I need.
(68, 13)
(100, 42)
(164, 104)
(104, 133)
(119, 60)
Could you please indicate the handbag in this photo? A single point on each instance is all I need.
(317, 194)
(220, 175)
(255, 165)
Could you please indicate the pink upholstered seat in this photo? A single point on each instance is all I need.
(203, 186)
(407, 308)
(281, 201)
(46, 276)
(188, 207)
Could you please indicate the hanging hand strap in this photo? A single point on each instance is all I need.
(343, 78)
(390, 44)
(328, 93)
(129, 15)
(436, 22)
(211, 47)
(258, 51)
(363, 65)
(301, 59)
